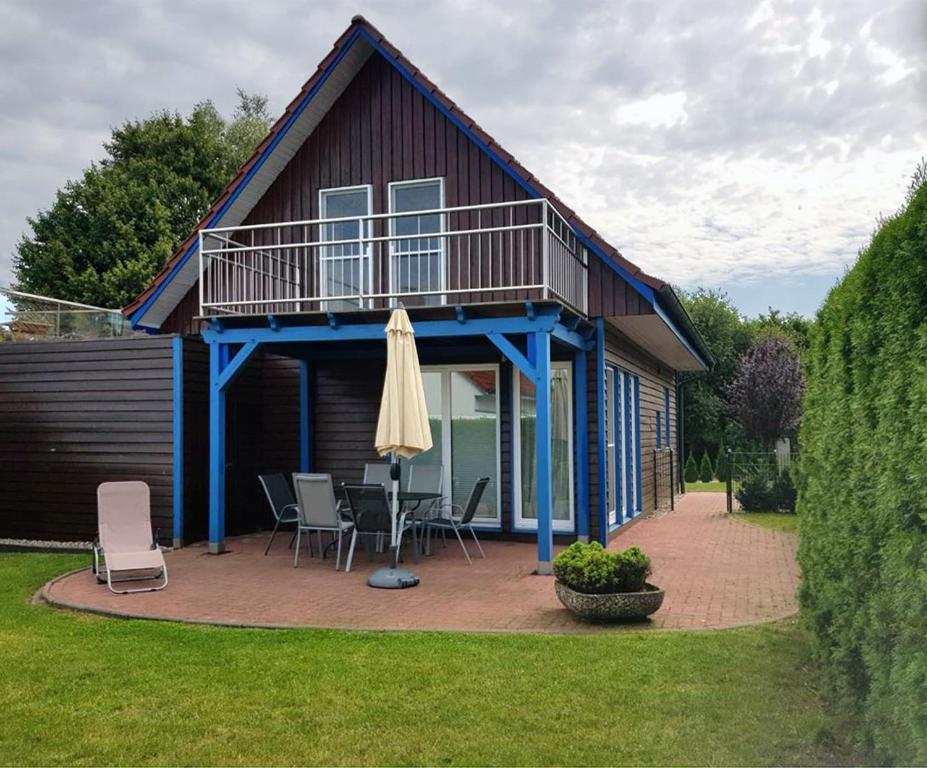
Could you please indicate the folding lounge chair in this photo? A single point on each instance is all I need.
(126, 545)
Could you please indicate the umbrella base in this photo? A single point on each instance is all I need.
(392, 578)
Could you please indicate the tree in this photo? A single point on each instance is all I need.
(722, 464)
(791, 326)
(107, 234)
(765, 396)
(705, 471)
(728, 336)
(690, 473)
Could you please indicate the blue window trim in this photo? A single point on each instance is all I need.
(601, 445)
(666, 417)
(628, 464)
(637, 446)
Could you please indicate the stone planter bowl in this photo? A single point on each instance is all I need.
(619, 606)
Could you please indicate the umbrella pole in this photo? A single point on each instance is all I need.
(393, 577)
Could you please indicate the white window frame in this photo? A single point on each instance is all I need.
(393, 250)
(520, 523)
(364, 256)
(446, 444)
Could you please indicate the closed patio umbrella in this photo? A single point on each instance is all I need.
(403, 430)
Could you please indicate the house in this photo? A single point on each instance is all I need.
(549, 359)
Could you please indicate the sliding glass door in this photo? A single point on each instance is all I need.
(561, 408)
(463, 409)
(622, 430)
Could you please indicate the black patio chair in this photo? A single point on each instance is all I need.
(282, 503)
(369, 509)
(461, 519)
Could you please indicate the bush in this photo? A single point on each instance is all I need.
(784, 493)
(863, 543)
(690, 473)
(758, 493)
(594, 570)
(705, 471)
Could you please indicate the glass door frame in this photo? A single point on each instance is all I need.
(394, 249)
(522, 524)
(623, 454)
(364, 256)
(446, 436)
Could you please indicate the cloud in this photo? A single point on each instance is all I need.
(712, 142)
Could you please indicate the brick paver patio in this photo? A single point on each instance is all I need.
(717, 571)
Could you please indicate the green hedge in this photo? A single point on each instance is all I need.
(863, 488)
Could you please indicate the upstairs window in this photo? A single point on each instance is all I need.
(417, 264)
(345, 267)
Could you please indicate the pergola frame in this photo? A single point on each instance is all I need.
(539, 327)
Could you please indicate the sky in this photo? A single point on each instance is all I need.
(744, 145)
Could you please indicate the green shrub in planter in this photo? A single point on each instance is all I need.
(706, 472)
(690, 473)
(594, 570)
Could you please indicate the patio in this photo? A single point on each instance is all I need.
(717, 571)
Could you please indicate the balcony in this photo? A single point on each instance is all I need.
(498, 252)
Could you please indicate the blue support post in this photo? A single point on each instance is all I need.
(581, 448)
(218, 353)
(305, 456)
(177, 428)
(637, 445)
(602, 448)
(542, 437)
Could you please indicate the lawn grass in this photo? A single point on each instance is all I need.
(779, 521)
(79, 689)
(715, 486)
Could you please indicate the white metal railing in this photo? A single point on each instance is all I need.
(510, 251)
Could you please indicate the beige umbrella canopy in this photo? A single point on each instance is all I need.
(402, 429)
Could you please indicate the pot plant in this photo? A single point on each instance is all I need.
(600, 585)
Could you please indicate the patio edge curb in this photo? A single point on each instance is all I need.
(44, 594)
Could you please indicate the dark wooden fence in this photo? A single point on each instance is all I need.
(73, 415)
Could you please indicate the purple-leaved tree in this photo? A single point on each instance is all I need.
(765, 394)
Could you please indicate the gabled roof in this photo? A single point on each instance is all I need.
(350, 51)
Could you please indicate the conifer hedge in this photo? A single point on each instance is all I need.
(863, 487)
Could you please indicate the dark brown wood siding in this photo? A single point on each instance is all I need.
(655, 379)
(76, 414)
(382, 130)
(610, 295)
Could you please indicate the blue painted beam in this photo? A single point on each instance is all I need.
(543, 457)
(177, 428)
(230, 368)
(601, 447)
(216, 450)
(581, 445)
(424, 329)
(513, 354)
(570, 338)
(305, 446)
